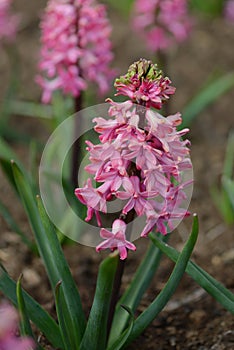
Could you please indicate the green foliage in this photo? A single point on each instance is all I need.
(211, 285)
(208, 7)
(135, 291)
(36, 313)
(123, 6)
(52, 256)
(95, 336)
(224, 196)
(147, 316)
(206, 96)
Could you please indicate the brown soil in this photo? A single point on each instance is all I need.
(192, 319)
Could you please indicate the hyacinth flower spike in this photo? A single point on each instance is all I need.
(161, 23)
(76, 48)
(139, 159)
(8, 21)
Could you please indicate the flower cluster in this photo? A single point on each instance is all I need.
(229, 10)
(139, 160)
(161, 22)
(76, 47)
(145, 85)
(8, 327)
(8, 22)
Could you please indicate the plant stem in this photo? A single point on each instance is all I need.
(162, 59)
(76, 149)
(128, 219)
(115, 293)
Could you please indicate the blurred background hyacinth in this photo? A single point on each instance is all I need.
(229, 10)
(8, 326)
(76, 48)
(8, 21)
(162, 23)
(95, 152)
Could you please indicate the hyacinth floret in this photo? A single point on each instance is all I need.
(144, 84)
(139, 160)
(76, 48)
(161, 23)
(8, 326)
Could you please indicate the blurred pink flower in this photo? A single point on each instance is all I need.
(8, 327)
(76, 47)
(145, 85)
(116, 239)
(8, 21)
(229, 10)
(161, 23)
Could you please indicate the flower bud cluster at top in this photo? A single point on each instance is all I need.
(145, 85)
(76, 48)
(8, 21)
(139, 159)
(8, 327)
(162, 23)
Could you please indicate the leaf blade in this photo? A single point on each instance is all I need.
(205, 280)
(36, 313)
(94, 338)
(158, 304)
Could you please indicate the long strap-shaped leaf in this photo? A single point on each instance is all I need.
(119, 343)
(211, 285)
(53, 257)
(14, 226)
(96, 330)
(207, 96)
(158, 304)
(37, 314)
(133, 295)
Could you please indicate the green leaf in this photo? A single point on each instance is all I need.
(124, 6)
(58, 269)
(119, 343)
(30, 109)
(229, 158)
(52, 255)
(6, 156)
(133, 295)
(229, 188)
(222, 202)
(95, 336)
(160, 301)
(60, 307)
(24, 320)
(206, 281)
(205, 97)
(36, 313)
(14, 226)
(208, 7)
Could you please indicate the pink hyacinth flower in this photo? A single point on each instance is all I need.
(116, 239)
(140, 160)
(161, 23)
(93, 198)
(137, 195)
(8, 327)
(8, 21)
(76, 48)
